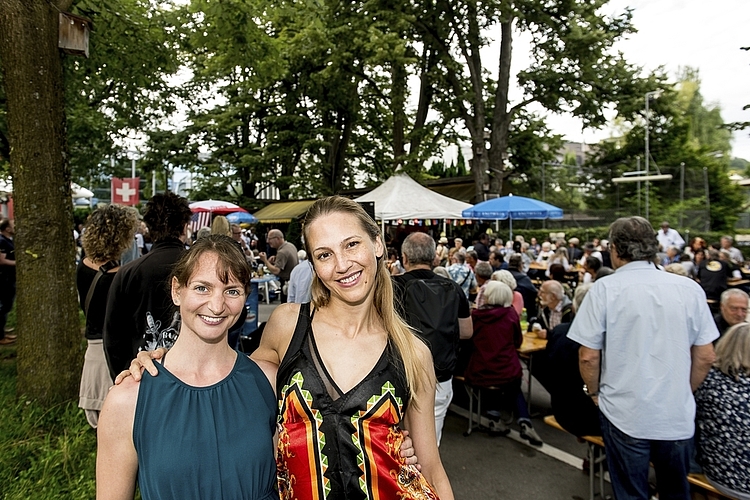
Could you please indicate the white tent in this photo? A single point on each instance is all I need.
(76, 190)
(401, 197)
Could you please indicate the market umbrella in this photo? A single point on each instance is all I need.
(512, 207)
(217, 207)
(241, 218)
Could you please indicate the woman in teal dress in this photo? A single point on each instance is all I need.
(205, 427)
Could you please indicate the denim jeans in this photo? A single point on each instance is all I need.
(628, 460)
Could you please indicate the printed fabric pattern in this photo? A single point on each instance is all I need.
(723, 417)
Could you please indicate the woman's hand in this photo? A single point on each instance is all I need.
(407, 450)
(143, 361)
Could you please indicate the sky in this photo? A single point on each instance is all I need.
(676, 33)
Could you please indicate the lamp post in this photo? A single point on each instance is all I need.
(649, 95)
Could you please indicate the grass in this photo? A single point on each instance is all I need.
(45, 453)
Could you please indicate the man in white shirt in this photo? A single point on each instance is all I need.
(641, 359)
(727, 243)
(668, 237)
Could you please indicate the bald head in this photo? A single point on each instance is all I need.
(418, 251)
(275, 238)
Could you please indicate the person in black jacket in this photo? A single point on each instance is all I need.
(523, 285)
(573, 409)
(140, 314)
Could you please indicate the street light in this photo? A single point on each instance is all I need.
(649, 95)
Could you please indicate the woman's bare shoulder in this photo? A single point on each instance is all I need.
(124, 396)
(277, 334)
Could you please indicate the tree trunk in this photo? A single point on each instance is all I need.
(398, 106)
(50, 347)
(501, 117)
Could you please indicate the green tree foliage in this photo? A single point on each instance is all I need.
(123, 87)
(574, 68)
(688, 141)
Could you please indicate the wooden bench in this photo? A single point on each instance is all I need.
(594, 453)
(597, 443)
(700, 481)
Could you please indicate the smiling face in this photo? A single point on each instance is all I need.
(344, 256)
(208, 307)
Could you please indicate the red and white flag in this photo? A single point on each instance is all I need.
(125, 191)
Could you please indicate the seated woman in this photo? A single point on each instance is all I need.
(723, 416)
(546, 254)
(506, 277)
(559, 257)
(572, 408)
(494, 361)
(178, 433)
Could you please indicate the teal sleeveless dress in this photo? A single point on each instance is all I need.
(206, 442)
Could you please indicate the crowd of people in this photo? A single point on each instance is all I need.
(353, 376)
(644, 339)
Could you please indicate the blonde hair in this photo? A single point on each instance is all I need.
(733, 351)
(676, 268)
(399, 333)
(220, 225)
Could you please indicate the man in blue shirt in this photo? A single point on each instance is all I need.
(646, 346)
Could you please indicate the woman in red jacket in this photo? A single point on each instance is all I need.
(494, 360)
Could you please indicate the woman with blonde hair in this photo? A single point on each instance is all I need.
(723, 416)
(220, 225)
(351, 372)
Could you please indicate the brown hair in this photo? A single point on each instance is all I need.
(108, 232)
(398, 331)
(231, 262)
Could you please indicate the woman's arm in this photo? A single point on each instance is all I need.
(420, 421)
(277, 334)
(116, 458)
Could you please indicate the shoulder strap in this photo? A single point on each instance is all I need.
(467, 277)
(104, 269)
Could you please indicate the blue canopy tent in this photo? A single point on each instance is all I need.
(512, 207)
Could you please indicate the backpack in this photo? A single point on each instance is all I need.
(431, 307)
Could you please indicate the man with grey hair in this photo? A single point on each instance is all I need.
(461, 273)
(727, 243)
(483, 272)
(733, 309)
(641, 358)
(556, 308)
(438, 310)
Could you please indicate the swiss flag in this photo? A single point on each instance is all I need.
(125, 191)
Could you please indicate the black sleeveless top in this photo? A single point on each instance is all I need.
(341, 445)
